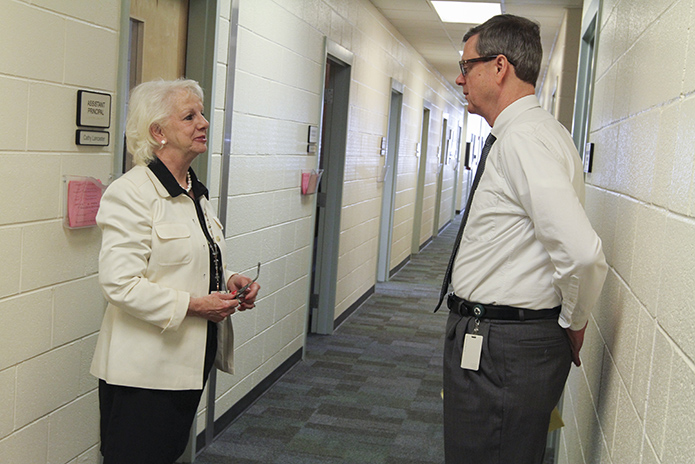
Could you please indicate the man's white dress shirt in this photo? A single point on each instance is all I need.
(528, 242)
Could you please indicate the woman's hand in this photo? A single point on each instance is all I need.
(214, 307)
(248, 299)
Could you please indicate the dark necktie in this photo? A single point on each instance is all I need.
(478, 174)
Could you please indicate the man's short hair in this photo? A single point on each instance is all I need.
(517, 38)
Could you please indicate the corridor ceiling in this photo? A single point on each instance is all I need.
(440, 43)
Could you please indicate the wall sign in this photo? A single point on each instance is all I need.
(312, 139)
(93, 109)
(93, 138)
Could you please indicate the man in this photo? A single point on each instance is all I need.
(529, 267)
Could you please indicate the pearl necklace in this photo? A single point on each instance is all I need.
(189, 184)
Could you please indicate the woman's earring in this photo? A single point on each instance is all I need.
(163, 142)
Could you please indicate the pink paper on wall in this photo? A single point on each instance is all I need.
(305, 181)
(83, 198)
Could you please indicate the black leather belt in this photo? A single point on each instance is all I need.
(487, 311)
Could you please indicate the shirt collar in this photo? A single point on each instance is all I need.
(170, 183)
(511, 112)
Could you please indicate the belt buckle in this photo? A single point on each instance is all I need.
(478, 311)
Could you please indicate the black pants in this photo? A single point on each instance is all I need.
(144, 426)
(500, 413)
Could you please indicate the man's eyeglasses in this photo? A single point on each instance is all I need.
(463, 64)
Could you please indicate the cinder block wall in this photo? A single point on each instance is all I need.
(278, 85)
(632, 399)
(50, 303)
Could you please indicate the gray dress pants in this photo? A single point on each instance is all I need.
(500, 413)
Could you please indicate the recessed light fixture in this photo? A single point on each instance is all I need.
(466, 12)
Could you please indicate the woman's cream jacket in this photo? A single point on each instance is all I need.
(154, 257)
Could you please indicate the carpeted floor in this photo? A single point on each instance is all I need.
(369, 393)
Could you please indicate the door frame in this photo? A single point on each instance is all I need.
(457, 169)
(200, 66)
(321, 304)
(421, 175)
(441, 163)
(464, 162)
(388, 198)
(585, 77)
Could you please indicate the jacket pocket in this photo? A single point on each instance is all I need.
(173, 244)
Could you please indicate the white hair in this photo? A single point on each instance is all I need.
(153, 103)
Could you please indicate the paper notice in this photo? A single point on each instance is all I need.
(83, 202)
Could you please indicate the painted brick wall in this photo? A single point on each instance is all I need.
(50, 303)
(278, 83)
(632, 400)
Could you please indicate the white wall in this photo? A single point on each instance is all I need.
(277, 95)
(558, 89)
(50, 304)
(632, 400)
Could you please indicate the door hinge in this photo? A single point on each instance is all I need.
(321, 199)
(314, 301)
(328, 96)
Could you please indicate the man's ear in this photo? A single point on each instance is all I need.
(502, 68)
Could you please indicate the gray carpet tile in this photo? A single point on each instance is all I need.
(369, 393)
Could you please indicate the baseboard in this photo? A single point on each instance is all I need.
(395, 270)
(353, 307)
(444, 227)
(244, 403)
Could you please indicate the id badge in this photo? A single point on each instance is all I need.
(472, 350)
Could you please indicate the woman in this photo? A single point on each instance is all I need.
(161, 269)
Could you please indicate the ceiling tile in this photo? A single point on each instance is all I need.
(439, 42)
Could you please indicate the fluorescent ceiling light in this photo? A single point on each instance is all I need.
(466, 12)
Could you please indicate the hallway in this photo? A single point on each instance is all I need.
(370, 393)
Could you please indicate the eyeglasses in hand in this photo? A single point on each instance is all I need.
(240, 293)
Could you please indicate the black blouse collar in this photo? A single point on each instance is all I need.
(171, 184)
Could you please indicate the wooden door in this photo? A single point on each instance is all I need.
(160, 47)
(158, 38)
